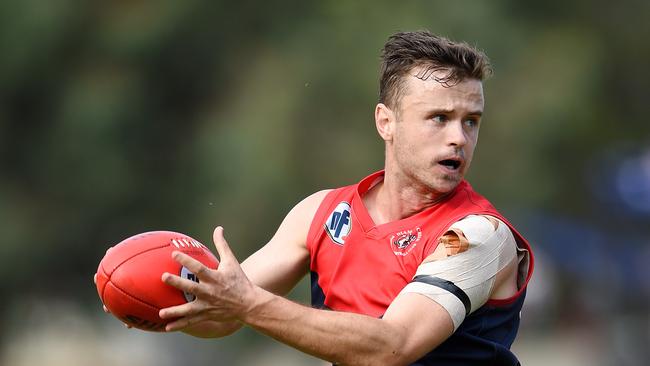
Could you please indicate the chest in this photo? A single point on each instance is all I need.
(362, 270)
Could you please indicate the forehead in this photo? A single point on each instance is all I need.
(428, 92)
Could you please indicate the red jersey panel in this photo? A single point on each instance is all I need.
(360, 267)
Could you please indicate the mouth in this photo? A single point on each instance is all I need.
(452, 164)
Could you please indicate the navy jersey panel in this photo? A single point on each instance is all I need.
(484, 338)
(317, 295)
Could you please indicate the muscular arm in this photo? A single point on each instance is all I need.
(276, 267)
(411, 326)
(475, 261)
(401, 336)
(284, 260)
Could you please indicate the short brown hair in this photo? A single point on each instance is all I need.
(406, 50)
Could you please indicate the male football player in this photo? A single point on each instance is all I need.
(410, 266)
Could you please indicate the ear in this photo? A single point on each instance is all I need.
(384, 121)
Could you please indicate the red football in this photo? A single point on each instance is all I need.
(129, 276)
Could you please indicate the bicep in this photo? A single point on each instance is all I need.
(284, 260)
(277, 266)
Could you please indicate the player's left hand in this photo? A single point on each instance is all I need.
(224, 294)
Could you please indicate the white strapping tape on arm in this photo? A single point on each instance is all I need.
(462, 282)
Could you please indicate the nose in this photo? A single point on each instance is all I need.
(456, 135)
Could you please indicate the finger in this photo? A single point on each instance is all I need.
(128, 326)
(225, 253)
(95, 278)
(178, 311)
(182, 323)
(180, 283)
(190, 263)
(177, 324)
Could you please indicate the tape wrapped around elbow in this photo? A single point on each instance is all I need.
(462, 282)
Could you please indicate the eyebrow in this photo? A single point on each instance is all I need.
(449, 111)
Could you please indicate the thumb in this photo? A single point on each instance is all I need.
(224, 251)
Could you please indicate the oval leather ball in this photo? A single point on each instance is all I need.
(129, 276)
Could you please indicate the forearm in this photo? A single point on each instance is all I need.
(412, 325)
(342, 338)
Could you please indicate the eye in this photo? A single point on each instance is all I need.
(471, 122)
(439, 118)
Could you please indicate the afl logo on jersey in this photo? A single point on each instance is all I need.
(339, 223)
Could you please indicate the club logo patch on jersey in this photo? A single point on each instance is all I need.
(339, 223)
(403, 242)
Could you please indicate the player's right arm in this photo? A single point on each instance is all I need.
(284, 260)
(277, 266)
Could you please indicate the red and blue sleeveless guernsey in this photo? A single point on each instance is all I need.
(360, 267)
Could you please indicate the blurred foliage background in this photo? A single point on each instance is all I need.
(119, 117)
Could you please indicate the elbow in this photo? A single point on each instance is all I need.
(388, 348)
(394, 350)
(391, 358)
(385, 357)
(380, 358)
(390, 355)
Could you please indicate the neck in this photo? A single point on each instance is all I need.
(395, 199)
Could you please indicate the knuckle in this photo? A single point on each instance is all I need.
(194, 288)
(202, 271)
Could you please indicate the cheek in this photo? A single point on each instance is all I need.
(417, 145)
(409, 148)
(469, 151)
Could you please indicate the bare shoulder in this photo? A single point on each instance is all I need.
(314, 200)
(279, 273)
(303, 212)
(295, 226)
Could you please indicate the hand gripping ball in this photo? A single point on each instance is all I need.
(129, 276)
